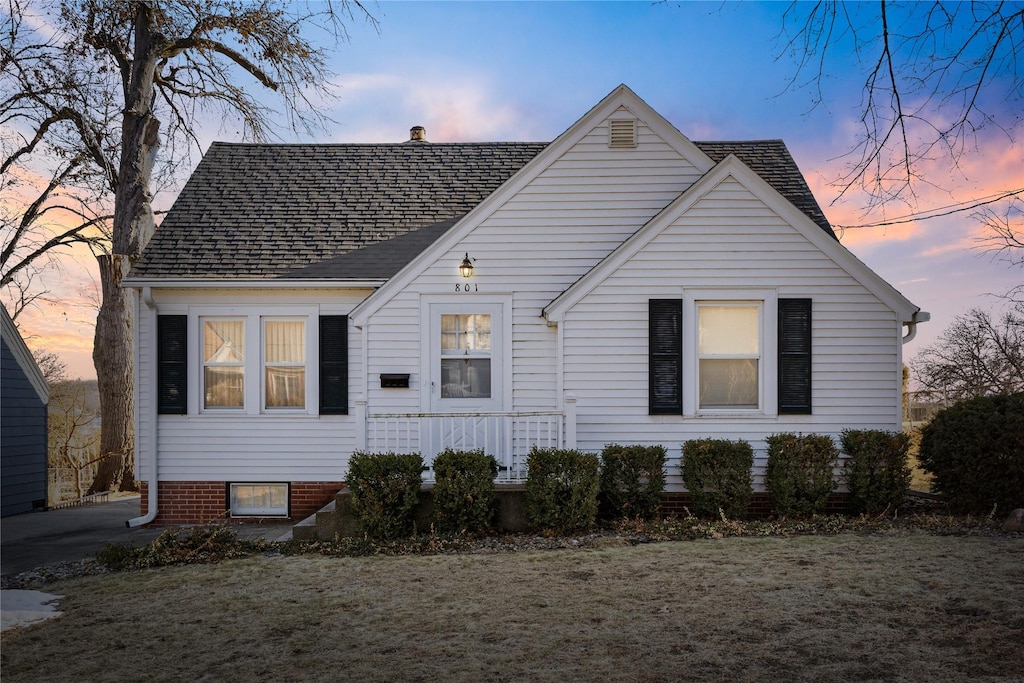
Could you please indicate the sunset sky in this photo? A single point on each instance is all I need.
(497, 71)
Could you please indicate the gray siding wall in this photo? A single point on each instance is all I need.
(22, 439)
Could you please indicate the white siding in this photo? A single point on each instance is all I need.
(208, 447)
(856, 348)
(559, 226)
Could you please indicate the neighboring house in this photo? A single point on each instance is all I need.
(23, 400)
(623, 284)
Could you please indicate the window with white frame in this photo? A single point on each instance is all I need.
(729, 347)
(259, 500)
(284, 363)
(223, 363)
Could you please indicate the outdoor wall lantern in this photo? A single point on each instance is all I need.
(466, 267)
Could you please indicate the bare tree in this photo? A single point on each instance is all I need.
(975, 356)
(72, 434)
(935, 73)
(1004, 239)
(95, 84)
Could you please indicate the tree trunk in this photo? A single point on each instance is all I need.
(113, 360)
(133, 227)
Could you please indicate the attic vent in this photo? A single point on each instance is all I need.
(622, 133)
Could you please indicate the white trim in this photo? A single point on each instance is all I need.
(259, 512)
(621, 97)
(497, 304)
(731, 167)
(253, 317)
(23, 357)
(768, 381)
(177, 283)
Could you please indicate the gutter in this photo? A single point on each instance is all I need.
(147, 297)
(919, 316)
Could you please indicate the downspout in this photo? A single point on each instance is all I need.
(919, 316)
(147, 297)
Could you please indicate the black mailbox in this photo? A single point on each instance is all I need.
(393, 380)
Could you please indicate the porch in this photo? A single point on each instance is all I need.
(508, 436)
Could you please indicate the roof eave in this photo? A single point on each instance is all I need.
(276, 283)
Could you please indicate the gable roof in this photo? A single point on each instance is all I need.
(15, 344)
(258, 211)
(337, 212)
(731, 166)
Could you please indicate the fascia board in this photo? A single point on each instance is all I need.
(23, 356)
(831, 247)
(555, 310)
(731, 166)
(251, 284)
(621, 96)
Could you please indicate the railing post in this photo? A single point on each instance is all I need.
(570, 420)
(360, 418)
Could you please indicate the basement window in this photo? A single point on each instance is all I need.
(622, 133)
(259, 500)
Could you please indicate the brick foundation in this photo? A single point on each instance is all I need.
(206, 502)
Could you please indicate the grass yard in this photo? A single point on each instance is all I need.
(905, 606)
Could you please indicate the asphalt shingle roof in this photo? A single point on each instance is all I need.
(263, 211)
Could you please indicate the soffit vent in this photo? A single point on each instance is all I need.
(622, 133)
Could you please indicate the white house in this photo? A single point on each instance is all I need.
(621, 284)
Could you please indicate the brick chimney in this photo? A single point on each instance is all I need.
(417, 134)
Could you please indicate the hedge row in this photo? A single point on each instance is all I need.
(567, 489)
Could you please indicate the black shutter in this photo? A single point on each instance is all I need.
(795, 356)
(334, 365)
(172, 364)
(665, 366)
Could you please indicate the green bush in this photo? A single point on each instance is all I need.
(975, 450)
(385, 490)
(876, 469)
(717, 473)
(561, 489)
(800, 474)
(464, 496)
(632, 481)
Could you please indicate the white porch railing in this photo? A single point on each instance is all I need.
(508, 436)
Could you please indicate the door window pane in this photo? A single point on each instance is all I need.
(465, 355)
(223, 363)
(465, 378)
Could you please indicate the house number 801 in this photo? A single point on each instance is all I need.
(467, 288)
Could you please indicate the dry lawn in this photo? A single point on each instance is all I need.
(840, 608)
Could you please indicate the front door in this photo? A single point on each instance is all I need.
(466, 370)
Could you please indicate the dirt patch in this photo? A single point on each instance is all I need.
(848, 607)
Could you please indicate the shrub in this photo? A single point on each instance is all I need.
(717, 473)
(385, 490)
(975, 450)
(464, 496)
(800, 472)
(632, 481)
(561, 489)
(199, 545)
(876, 469)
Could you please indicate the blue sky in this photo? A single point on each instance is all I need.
(475, 71)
